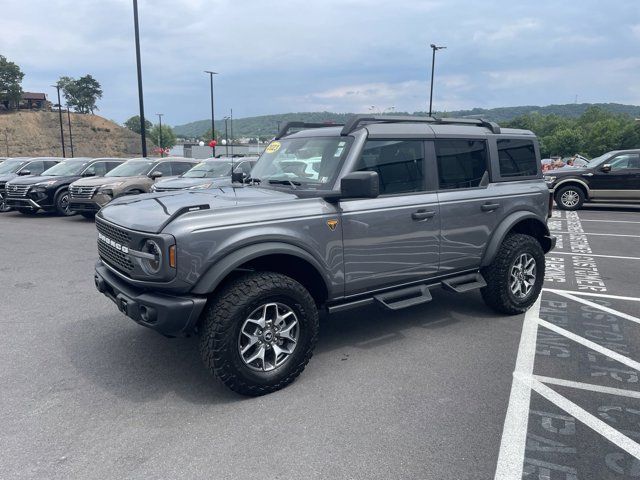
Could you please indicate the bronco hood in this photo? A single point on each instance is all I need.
(151, 212)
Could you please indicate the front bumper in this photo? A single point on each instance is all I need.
(84, 205)
(23, 202)
(172, 316)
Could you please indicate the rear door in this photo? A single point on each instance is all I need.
(393, 238)
(469, 210)
(622, 182)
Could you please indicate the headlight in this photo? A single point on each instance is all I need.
(549, 178)
(204, 186)
(106, 191)
(152, 262)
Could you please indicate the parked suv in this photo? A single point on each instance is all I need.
(50, 190)
(17, 166)
(209, 173)
(396, 206)
(612, 177)
(137, 175)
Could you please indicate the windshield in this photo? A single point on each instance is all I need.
(598, 160)
(11, 166)
(131, 169)
(65, 168)
(210, 170)
(311, 162)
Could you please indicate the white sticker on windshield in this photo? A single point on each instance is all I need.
(340, 149)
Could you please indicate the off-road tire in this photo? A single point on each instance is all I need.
(497, 293)
(88, 215)
(223, 318)
(59, 203)
(577, 193)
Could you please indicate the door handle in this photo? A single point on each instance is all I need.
(489, 207)
(423, 214)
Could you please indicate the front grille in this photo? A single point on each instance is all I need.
(81, 192)
(17, 190)
(109, 253)
(114, 233)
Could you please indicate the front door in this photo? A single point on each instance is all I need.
(622, 182)
(394, 238)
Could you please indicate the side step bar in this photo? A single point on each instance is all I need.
(405, 297)
(464, 283)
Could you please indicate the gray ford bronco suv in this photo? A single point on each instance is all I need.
(333, 217)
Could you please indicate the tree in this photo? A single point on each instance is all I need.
(168, 137)
(564, 142)
(133, 124)
(207, 137)
(81, 94)
(10, 83)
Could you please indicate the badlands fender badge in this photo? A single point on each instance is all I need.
(332, 224)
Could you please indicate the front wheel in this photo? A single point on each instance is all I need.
(569, 198)
(259, 332)
(63, 205)
(514, 278)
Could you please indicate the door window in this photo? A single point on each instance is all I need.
(461, 163)
(517, 158)
(626, 161)
(179, 168)
(98, 168)
(164, 168)
(399, 164)
(36, 168)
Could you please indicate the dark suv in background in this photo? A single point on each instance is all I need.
(612, 177)
(137, 175)
(50, 191)
(21, 166)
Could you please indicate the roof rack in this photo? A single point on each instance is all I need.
(290, 125)
(356, 121)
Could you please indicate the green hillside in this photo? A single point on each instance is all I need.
(266, 125)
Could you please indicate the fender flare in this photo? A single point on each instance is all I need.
(219, 270)
(503, 229)
(582, 183)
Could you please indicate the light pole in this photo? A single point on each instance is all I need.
(226, 137)
(70, 134)
(213, 118)
(160, 130)
(232, 137)
(434, 47)
(57, 87)
(143, 133)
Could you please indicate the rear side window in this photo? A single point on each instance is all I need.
(517, 158)
(399, 164)
(461, 163)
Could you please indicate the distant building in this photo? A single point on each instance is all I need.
(34, 101)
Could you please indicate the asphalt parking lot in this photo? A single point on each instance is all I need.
(423, 393)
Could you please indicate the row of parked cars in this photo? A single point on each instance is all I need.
(84, 185)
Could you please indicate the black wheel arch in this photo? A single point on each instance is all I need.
(524, 222)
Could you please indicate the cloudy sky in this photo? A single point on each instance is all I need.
(338, 55)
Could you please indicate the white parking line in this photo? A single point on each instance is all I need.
(557, 252)
(593, 422)
(514, 432)
(591, 345)
(603, 221)
(599, 234)
(561, 382)
(626, 316)
(589, 294)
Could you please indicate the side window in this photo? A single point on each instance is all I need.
(112, 165)
(399, 163)
(180, 167)
(36, 168)
(517, 158)
(98, 168)
(244, 167)
(625, 161)
(164, 168)
(461, 163)
(49, 163)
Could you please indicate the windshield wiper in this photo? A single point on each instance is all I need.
(286, 182)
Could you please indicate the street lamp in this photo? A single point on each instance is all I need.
(160, 130)
(143, 133)
(232, 137)
(57, 87)
(226, 137)
(70, 134)
(213, 118)
(434, 47)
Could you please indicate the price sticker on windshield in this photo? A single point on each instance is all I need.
(273, 147)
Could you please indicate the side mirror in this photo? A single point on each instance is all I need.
(88, 174)
(238, 177)
(360, 185)
(155, 175)
(605, 168)
(24, 172)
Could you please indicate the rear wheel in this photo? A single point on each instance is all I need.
(259, 332)
(570, 197)
(62, 203)
(514, 278)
